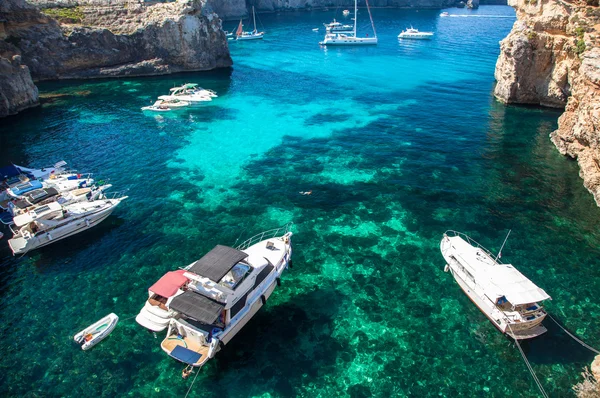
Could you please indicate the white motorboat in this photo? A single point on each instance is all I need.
(96, 332)
(500, 291)
(40, 197)
(412, 33)
(254, 35)
(190, 92)
(346, 13)
(52, 222)
(226, 288)
(315, 30)
(43, 173)
(166, 103)
(444, 14)
(333, 38)
(336, 26)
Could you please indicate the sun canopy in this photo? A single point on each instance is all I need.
(506, 281)
(169, 284)
(217, 262)
(197, 306)
(9, 172)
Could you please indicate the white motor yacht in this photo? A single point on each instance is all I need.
(336, 26)
(333, 38)
(412, 33)
(500, 291)
(52, 222)
(346, 13)
(166, 103)
(225, 288)
(444, 14)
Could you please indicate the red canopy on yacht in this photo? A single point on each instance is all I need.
(169, 283)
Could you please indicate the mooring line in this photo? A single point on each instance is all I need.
(189, 389)
(537, 381)
(573, 336)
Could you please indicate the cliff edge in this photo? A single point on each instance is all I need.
(90, 39)
(552, 58)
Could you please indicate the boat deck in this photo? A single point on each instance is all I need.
(169, 344)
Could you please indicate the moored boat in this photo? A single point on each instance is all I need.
(96, 332)
(254, 35)
(223, 291)
(52, 222)
(336, 26)
(336, 38)
(412, 33)
(505, 296)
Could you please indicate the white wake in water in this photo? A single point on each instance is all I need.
(480, 16)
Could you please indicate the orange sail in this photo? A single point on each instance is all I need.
(239, 29)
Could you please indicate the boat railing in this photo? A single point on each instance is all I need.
(473, 242)
(116, 194)
(271, 233)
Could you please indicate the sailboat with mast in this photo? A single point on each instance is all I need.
(351, 39)
(254, 35)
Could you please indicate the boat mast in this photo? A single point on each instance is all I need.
(502, 247)
(371, 18)
(254, 17)
(355, 12)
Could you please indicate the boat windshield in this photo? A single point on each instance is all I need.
(237, 274)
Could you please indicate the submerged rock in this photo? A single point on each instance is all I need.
(552, 58)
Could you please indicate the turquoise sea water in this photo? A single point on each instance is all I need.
(398, 143)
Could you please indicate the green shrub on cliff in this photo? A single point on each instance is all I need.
(65, 15)
(580, 47)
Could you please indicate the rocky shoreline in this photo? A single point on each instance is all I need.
(96, 41)
(552, 58)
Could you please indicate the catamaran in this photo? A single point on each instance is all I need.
(500, 291)
(254, 35)
(350, 39)
(412, 33)
(52, 222)
(207, 303)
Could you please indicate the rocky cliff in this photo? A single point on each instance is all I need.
(121, 39)
(552, 58)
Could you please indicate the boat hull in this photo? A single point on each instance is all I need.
(358, 41)
(21, 245)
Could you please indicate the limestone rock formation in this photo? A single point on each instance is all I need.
(17, 91)
(121, 39)
(552, 58)
(473, 4)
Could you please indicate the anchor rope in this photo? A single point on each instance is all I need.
(537, 381)
(573, 336)
(189, 389)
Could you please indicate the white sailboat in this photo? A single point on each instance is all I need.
(500, 291)
(254, 35)
(350, 39)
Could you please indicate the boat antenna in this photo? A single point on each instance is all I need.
(502, 247)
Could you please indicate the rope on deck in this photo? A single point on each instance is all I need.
(537, 381)
(573, 336)
(190, 389)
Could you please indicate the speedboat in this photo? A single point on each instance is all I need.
(504, 295)
(412, 33)
(190, 92)
(444, 14)
(52, 222)
(336, 26)
(166, 103)
(346, 12)
(223, 291)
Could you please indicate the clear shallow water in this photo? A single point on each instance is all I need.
(398, 143)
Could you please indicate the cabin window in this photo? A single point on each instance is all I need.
(237, 274)
(237, 307)
(42, 209)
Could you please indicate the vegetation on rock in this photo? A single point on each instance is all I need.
(69, 15)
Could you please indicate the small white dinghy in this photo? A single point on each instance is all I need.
(96, 332)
